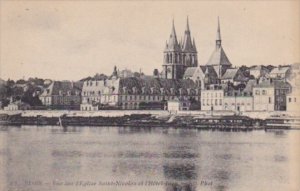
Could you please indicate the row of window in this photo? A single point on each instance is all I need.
(212, 94)
(262, 92)
(212, 102)
(290, 99)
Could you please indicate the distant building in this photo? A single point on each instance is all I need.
(258, 71)
(235, 76)
(263, 96)
(178, 105)
(281, 90)
(137, 93)
(280, 72)
(293, 101)
(238, 102)
(62, 95)
(125, 73)
(17, 105)
(212, 99)
(202, 75)
(100, 92)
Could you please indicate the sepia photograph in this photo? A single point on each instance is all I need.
(169, 95)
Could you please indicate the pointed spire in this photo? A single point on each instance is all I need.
(173, 43)
(187, 24)
(187, 45)
(218, 30)
(218, 39)
(194, 45)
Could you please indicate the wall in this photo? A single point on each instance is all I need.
(263, 98)
(212, 100)
(238, 103)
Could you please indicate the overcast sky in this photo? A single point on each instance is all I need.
(75, 39)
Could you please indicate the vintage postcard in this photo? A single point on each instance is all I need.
(149, 95)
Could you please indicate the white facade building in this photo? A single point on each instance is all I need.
(212, 100)
(263, 97)
(293, 101)
(238, 103)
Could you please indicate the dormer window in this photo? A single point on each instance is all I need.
(143, 90)
(60, 92)
(134, 90)
(152, 90)
(69, 93)
(172, 91)
(162, 91)
(124, 90)
(189, 91)
(180, 91)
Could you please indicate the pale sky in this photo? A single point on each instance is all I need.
(75, 39)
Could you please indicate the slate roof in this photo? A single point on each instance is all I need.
(279, 70)
(218, 57)
(230, 73)
(64, 87)
(264, 84)
(156, 84)
(189, 72)
(173, 44)
(188, 45)
(249, 86)
(209, 69)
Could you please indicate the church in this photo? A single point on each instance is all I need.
(181, 59)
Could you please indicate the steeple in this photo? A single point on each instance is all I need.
(194, 45)
(173, 43)
(187, 24)
(218, 39)
(187, 40)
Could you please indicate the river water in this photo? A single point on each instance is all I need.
(117, 158)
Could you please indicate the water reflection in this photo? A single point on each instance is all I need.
(178, 159)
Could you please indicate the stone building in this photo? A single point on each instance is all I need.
(96, 93)
(212, 99)
(136, 92)
(179, 55)
(293, 101)
(282, 89)
(263, 96)
(280, 72)
(238, 102)
(234, 76)
(62, 95)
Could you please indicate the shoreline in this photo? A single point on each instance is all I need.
(218, 120)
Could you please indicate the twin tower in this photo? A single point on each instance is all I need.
(179, 55)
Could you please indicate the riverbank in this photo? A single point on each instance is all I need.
(221, 120)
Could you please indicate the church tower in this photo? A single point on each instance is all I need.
(219, 59)
(189, 51)
(172, 67)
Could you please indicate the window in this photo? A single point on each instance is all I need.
(264, 92)
(295, 99)
(216, 102)
(220, 102)
(257, 92)
(270, 100)
(290, 99)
